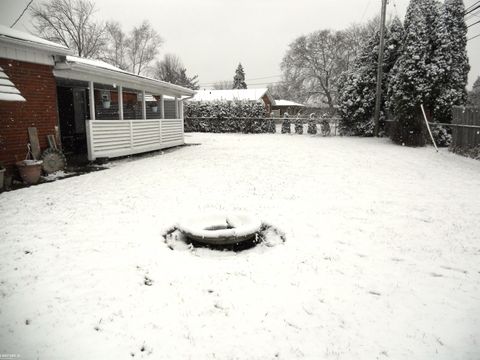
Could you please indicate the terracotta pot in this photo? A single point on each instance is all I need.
(30, 170)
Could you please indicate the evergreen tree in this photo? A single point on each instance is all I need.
(358, 91)
(286, 124)
(420, 72)
(298, 125)
(312, 125)
(456, 76)
(239, 78)
(474, 95)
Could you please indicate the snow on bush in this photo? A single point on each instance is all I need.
(431, 69)
(227, 117)
(441, 136)
(358, 88)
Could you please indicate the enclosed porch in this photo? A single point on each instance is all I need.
(105, 112)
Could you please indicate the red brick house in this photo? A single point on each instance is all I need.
(93, 108)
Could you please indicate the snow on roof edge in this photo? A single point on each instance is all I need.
(282, 102)
(9, 33)
(106, 66)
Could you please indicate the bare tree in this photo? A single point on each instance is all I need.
(116, 49)
(223, 85)
(71, 23)
(314, 64)
(143, 45)
(171, 69)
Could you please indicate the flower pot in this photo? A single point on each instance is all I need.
(106, 104)
(30, 170)
(2, 177)
(154, 108)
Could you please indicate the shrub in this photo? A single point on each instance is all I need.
(226, 117)
(441, 136)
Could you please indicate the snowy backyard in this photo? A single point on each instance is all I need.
(381, 259)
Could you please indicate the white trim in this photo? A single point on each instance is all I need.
(120, 102)
(162, 106)
(144, 106)
(91, 91)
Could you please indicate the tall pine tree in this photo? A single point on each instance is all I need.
(456, 75)
(420, 72)
(239, 78)
(357, 93)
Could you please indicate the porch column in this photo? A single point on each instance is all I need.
(176, 108)
(120, 102)
(181, 109)
(161, 106)
(91, 92)
(144, 106)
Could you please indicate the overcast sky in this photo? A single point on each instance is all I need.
(213, 36)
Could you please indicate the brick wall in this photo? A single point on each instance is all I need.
(37, 85)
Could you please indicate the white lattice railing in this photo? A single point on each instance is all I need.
(114, 138)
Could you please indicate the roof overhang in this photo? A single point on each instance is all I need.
(85, 72)
(50, 49)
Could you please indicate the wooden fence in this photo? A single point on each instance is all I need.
(466, 127)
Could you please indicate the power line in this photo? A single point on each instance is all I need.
(365, 11)
(471, 6)
(475, 23)
(476, 36)
(470, 10)
(259, 78)
(23, 12)
(470, 16)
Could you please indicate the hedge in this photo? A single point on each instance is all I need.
(227, 117)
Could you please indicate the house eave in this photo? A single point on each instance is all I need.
(52, 50)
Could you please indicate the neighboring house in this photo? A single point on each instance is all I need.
(250, 95)
(92, 107)
(285, 106)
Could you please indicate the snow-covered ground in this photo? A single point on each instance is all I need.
(382, 258)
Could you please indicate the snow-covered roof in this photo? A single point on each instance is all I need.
(92, 62)
(24, 38)
(287, 103)
(101, 72)
(8, 91)
(230, 95)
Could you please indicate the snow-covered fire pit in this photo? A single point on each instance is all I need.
(220, 229)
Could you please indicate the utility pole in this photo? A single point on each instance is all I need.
(381, 49)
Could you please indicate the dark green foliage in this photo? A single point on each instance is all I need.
(298, 126)
(227, 117)
(312, 126)
(419, 73)
(286, 124)
(441, 135)
(455, 78)
(474, 95)
(239, 78)
(358, 88)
